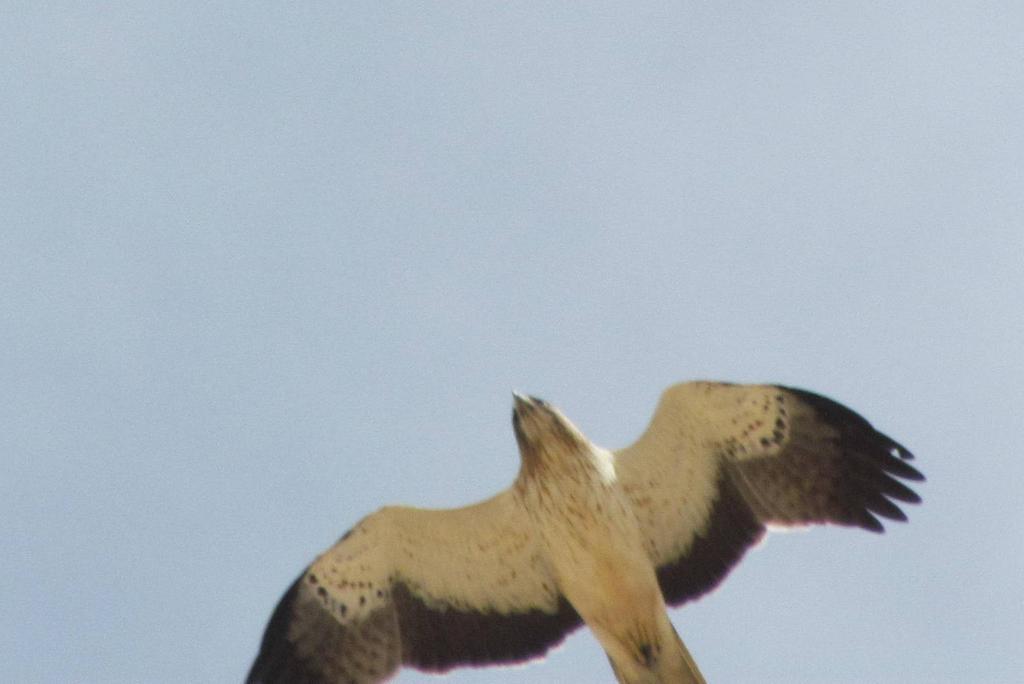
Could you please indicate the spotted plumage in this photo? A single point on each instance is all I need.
(585, 535)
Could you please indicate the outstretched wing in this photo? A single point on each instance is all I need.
(428, 589)
(719, 462)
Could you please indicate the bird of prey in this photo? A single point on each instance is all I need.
(585, 535)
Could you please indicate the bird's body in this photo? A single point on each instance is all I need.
(585, 535)
(590, 533)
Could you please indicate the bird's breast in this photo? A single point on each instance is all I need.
(593, 542)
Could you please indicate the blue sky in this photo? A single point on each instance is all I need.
(264, 269)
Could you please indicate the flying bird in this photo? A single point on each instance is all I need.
(585, 536)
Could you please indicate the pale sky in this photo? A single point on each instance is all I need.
(264, 269)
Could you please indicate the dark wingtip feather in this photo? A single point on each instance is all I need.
(880, 505)
(894, 489)
(876, 458)
(894, 465)
(870, 523)
(901, 451)
(277, 660)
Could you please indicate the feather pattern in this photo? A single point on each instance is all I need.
(719, 462)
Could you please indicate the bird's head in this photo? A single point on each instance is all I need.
(544, 434)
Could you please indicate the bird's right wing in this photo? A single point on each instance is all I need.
(432, 589)
(719, 462)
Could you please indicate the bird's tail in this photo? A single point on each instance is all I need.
(691, 673)
(675, 665)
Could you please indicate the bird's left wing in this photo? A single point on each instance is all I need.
(431, 589)
(719, 462)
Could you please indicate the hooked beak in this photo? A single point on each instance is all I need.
(524, 402)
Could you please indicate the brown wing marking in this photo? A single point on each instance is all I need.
(731, 529)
